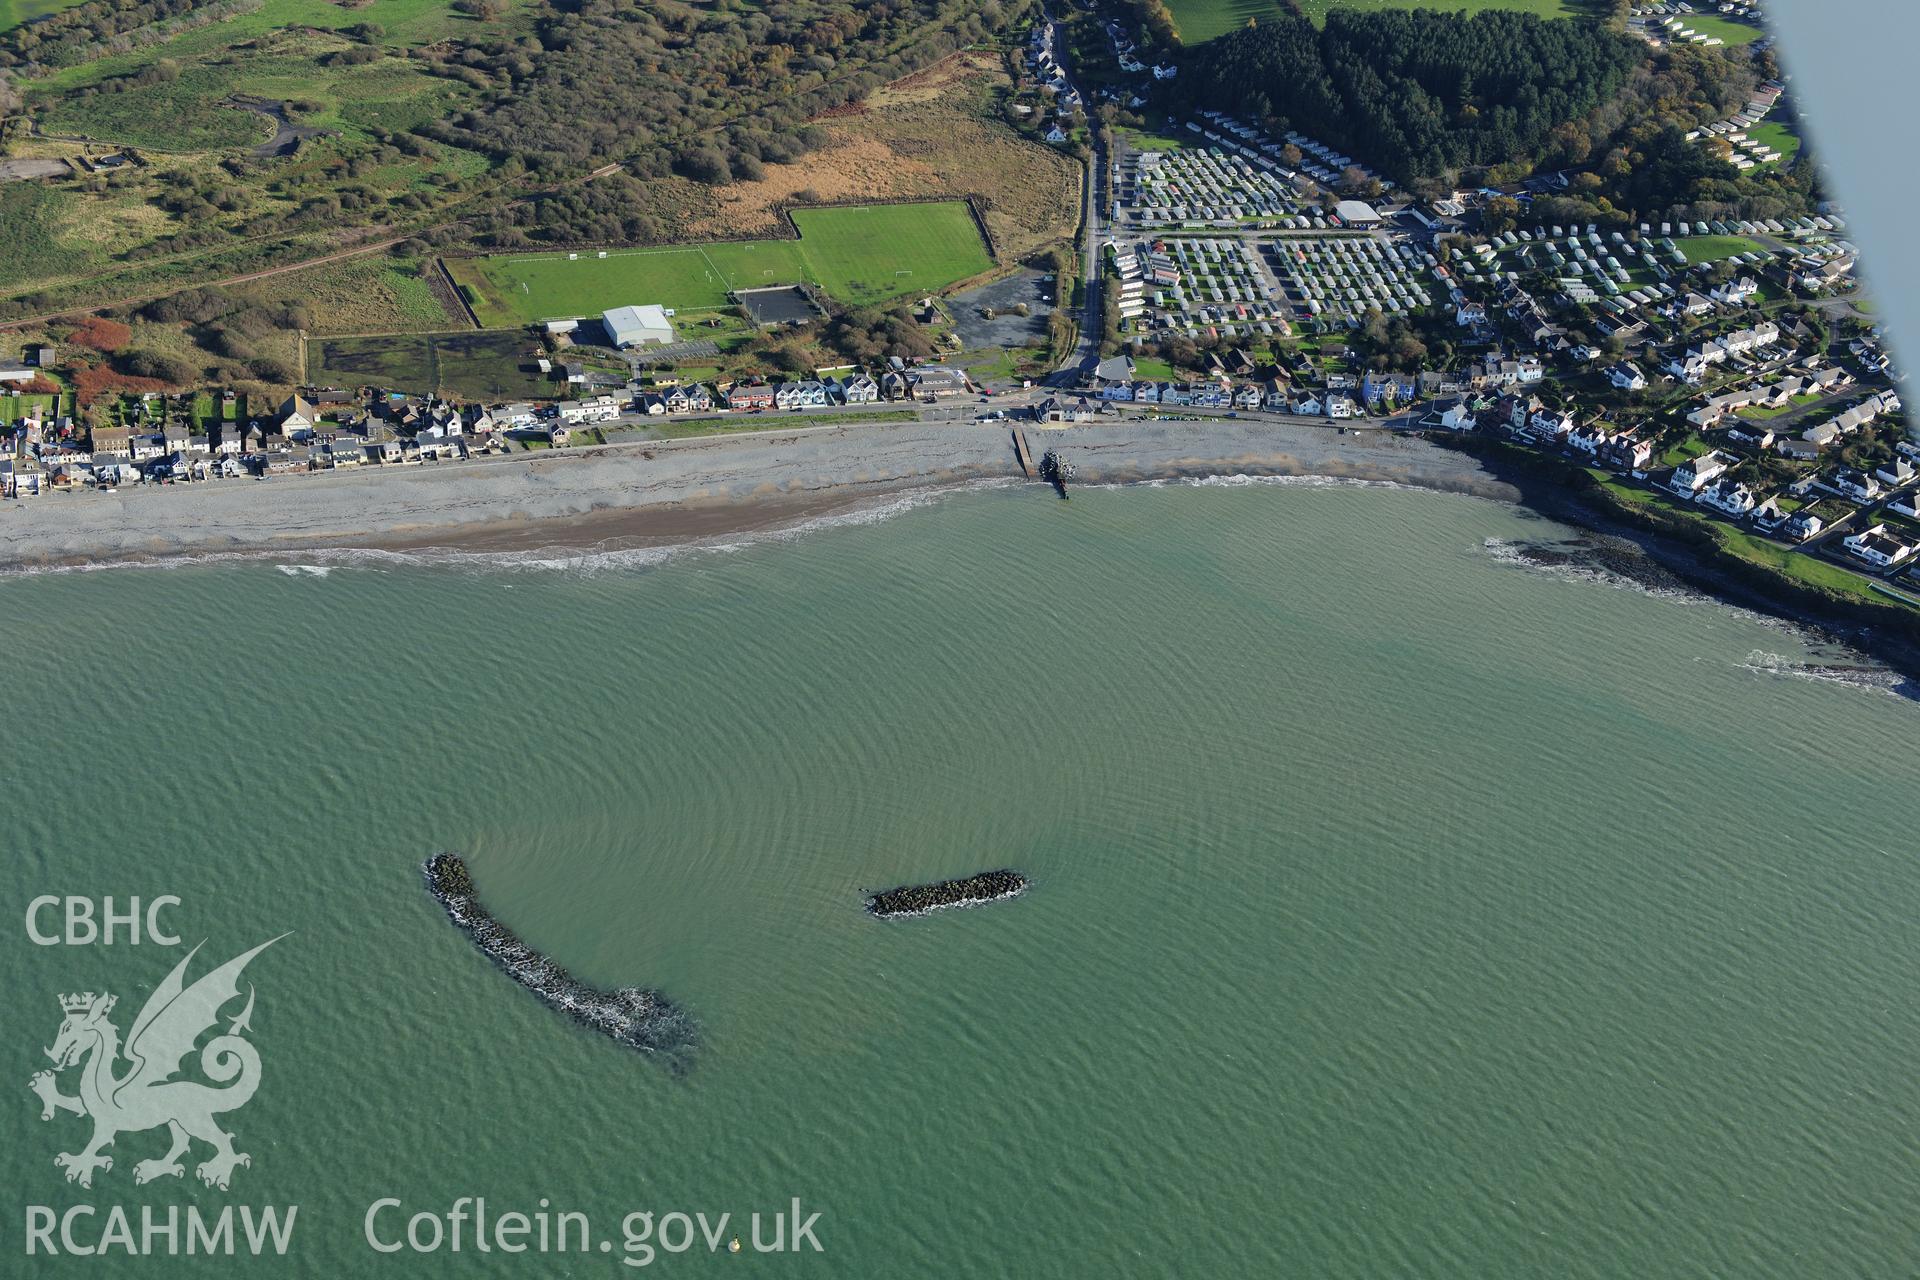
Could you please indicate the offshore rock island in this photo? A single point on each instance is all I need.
(919, 899)
(633, 1016)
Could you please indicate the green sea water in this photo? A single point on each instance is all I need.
(1398, 909)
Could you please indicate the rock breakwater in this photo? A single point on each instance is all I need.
(918, 899)
(634, 1016)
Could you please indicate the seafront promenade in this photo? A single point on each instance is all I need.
(716, 483)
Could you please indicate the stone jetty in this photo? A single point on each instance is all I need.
(918, 899)
(636, 1017)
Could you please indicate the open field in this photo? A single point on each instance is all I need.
(15, 12)
(872, 253)
(1200, 20)
(472, 365)
(1731, 31)
(858, 255)
(1780, 137)
(1714, 248)
(375, 294)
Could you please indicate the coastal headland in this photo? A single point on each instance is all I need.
(664, 492)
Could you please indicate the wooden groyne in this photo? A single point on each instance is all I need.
(918, 899)
(1022, 454)
(634, 1016)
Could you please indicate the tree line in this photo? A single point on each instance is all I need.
(1414, 93)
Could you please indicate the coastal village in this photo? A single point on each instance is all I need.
(1725, 370)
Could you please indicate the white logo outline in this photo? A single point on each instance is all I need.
(147, 1096)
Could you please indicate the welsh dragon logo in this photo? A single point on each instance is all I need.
(145, 1094)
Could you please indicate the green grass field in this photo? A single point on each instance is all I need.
(1714, 248)
(1778, 136)
(1714, 26)
(1204, 19)
(859, 255)
(15, 12)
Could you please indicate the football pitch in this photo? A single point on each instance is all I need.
(858, 254)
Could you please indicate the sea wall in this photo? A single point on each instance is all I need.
(634, 1016)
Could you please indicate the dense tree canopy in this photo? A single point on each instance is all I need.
(1415, 92)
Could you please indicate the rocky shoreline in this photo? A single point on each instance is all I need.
(1632, 545)
(919, 899)
(633, 1016)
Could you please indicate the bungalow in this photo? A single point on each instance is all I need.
(1113, 371)
(934, 382)
(1768, 514)
(13, 371)
(1895, 473)
(1907, 504)
(1857, 485)
(1692, 475)
(1054, 409)
(1878, 547)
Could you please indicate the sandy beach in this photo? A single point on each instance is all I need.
(675, 491)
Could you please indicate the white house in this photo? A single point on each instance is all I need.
(1878, 547)
(1693, 475)
(1728, 495)
(1627, 377)
(1857, 485)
